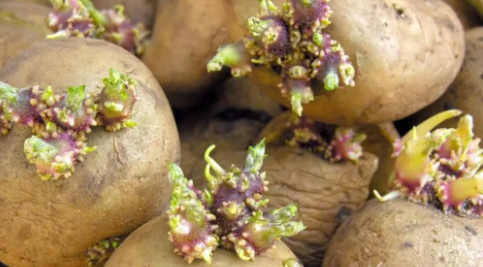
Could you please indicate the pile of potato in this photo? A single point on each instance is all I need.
(413, 59)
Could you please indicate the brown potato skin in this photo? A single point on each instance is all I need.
(135, 10)
(398, 60)
(400, 233)
(466, 92)
(466, 14)
(42, 2)
(116, 189)
(325, 193)
(186, 36)
(21, 25)
(149, 246)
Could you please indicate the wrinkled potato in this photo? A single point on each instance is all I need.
(119, 187)
(325, 193)
(467, 15)
(186, 34)
(149, 246)
(136, 10)
(405, 53)
(400, 233)
(21, 25)
(466, 91)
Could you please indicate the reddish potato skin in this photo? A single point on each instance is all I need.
(325, 193)
(21, 25)
(466, 14)
(403, 63)
(186, 35)
(135, 10)
(149, 246)
(400, 233)
(116, 189)
(466, 92)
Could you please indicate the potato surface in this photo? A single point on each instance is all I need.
(400, 233)
(186, 35)
(119, 187)
(21, 25)
(149, 246)
(466, 92)
(325, 193)
(405, 52)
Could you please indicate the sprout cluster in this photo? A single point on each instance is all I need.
(231, 212)
(330, 142)
(440, 167)
(79, 18)
(103, 250)
(60, 123)
(291, 42)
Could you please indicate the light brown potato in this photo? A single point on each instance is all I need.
(186, 35)
(149, 246)
(406, 53)
(400, 233)
(21, 25)
(136, 10)
(466, 92)
(466, 14)
(325, 193)
(119, 187)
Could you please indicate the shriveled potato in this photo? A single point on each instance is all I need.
(400, 233)
(466, 92)
(405, 54)
(21, 25)
(466, 14)
(149, 246)
(117, 188)
(136, 10)
(186, 34)
(325, 193)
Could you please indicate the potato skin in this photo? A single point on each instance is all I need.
(149, 246)
(21, 25)
(466, 92)
(466, 14)
(186, 35)
(405, 59)
(400, 233)
(325, 193)
(136, 10)
(42, 2)
(118, 188)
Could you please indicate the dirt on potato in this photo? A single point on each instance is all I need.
(400, 233)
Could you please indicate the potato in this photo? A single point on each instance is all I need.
(232, 117)
(401, 233)
(149, 246)
(467, 15)
(466, 92)
(186, 34)
(21, 25)
(136, 10)
(397, 49)
(116, 189)
(325, 193)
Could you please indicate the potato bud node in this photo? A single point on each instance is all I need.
(441, 167)
(102, 250)
(292, 262)
(79, 18)
(282, 39)
(229, 213)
